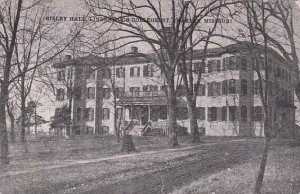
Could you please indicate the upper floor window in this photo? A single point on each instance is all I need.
(69, 73)
(212, 113)
(244, 64)
(135, 72)
(199, 68)
(224, 113)
(244, 113)
(119, 91)
(257, 114)
(120, 72)
(232, 86)
(91, 73)
(214, 89)
(213, 66)
(91, 93)
(232, 113)
(78, 113)
(201, 90)
(106, 93)
(244, 87)
(107, 74)
(106, 113)
(225, 87)
(229, 63)
(77, 92)
(148, 70)
(200, 112)
(60, 94)
(89, 114)
(61, 75)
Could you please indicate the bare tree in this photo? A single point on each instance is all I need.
(165, 37)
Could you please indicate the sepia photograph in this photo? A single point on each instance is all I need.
(150, 96)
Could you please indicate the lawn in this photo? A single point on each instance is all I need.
(282, 175)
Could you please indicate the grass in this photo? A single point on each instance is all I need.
(282, 175)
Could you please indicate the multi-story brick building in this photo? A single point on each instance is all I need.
(131, 88)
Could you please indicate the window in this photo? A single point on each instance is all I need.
(232, 86)
(106, 93)
(119, 113)
(119, 92)
(213, 66)
(244, 87)
(61, 75)
(148, 71)
(135, 91)
(200, 113)
(69, 73)
(244, 63)
(77, 93)
(232, 113)
(120, 72)
(104, 130)
(201, 90)
(232, 63)
(91, 74)
(60, 94)
(199, 68)
(224, 113)
(106, 114)
(244, 113)
(78, 114)
(225, 87)
(91, 93)
(214, 89)
(134, 72)
(163, 88)
(107, 74)
(257, 114)
(150, 88)
(212, 114)
(89, 114)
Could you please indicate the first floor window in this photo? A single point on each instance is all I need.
(106, 114)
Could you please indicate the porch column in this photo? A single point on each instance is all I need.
(149, 112)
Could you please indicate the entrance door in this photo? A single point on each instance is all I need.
(144, 115)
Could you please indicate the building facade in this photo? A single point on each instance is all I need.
(128, 93)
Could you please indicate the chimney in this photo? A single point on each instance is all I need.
(134, 50)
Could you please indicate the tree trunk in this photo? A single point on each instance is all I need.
(3, 128)
(172, 124)
(263, 163)
(69, 122)
(128, 145)
(193, 121)
(23, 110)
(35, 121)
(12, 129)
